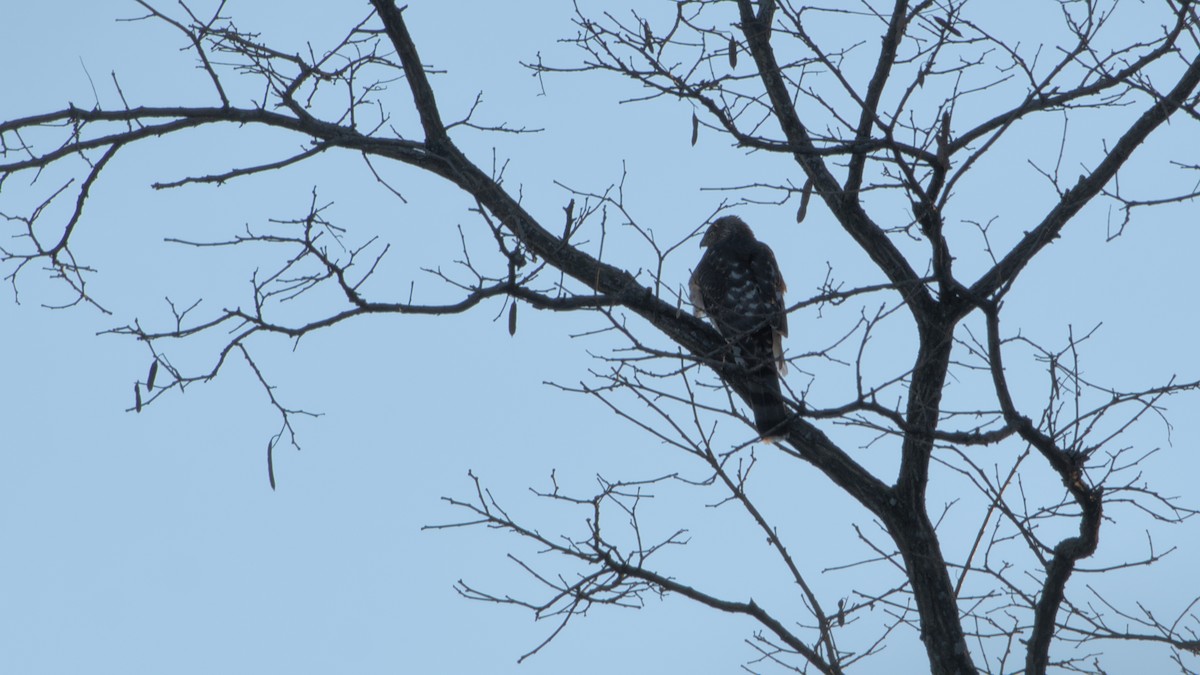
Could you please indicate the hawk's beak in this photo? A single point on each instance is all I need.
(707, 238)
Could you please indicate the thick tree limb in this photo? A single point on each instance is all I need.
(1006, 271)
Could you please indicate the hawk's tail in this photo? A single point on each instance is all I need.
(766, 402)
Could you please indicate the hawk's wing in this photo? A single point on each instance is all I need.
(694, 290)
(771, 286)
(741, 290)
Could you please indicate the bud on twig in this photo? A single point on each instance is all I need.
(570, 209)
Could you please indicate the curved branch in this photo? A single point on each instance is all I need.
(1069, 467)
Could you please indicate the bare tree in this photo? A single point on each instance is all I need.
(899, 119)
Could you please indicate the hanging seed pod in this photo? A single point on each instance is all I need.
(804, 197)
(695, 128)
(271, 463)
(648, 36)
(152, 375)
(137, 398)
(512, 318)
(733, 50)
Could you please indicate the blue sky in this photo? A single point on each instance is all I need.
(150, 543)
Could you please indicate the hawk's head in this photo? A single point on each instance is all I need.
(726, 228)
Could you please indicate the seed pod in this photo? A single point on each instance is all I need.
(137, 398)
(649, 37)
(733, 49)
(804, 197)
(695, 128)
(948, 26)
(152, 375)
(512, 318)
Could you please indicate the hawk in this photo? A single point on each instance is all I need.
(738, 285)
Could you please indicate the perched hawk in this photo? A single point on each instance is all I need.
(738, 285)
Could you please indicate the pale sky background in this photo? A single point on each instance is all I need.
(152, 543)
